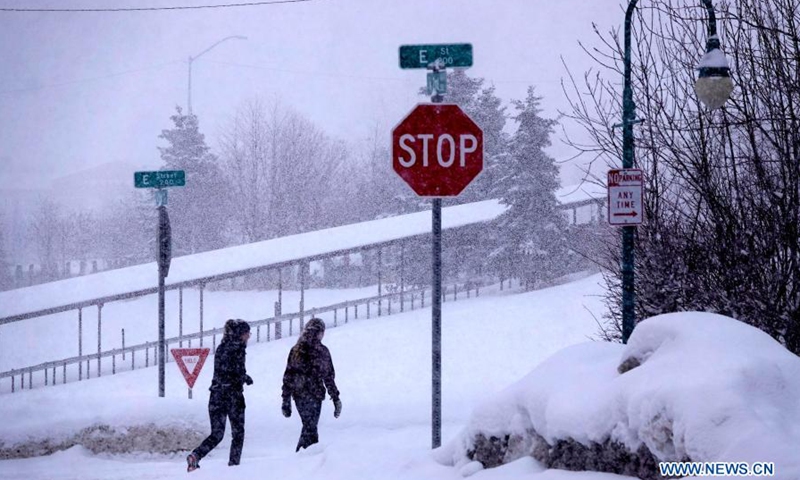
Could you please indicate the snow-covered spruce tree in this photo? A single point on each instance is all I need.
(127, 232)
(198, 211)
(530, 235)
(486, 110)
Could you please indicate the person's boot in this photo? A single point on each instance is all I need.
(192, 463)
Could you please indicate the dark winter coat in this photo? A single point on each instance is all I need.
(309, 372)
(229, 369)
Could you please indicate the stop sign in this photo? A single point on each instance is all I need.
(437, 149)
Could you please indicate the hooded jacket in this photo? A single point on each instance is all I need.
(309, 370)
(229, 366)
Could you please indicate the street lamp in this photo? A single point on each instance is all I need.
(713, 88)
(192, 59)
(714, 84)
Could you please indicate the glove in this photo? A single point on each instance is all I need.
(247, 379)
(287, 407)
(337, 408)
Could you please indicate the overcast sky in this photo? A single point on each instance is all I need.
(79, 90)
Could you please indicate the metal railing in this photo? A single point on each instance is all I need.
(273, 326)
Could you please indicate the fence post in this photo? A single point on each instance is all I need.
(146, 356)
(278, 323)
(258, 333)
(455, 292)
(180, 317)
(202, 287)
(402, 272)
(63, 373)
(30, 379)
(346, 314)
(99, 337)
(45, 376)
(13, 383)
(380, 286)
(335, 317)
(123, 344)
(80, 344)
(54, 373)
(113, 364)
(133, 359)
(367, 308)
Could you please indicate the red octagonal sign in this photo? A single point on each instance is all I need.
(437, 149)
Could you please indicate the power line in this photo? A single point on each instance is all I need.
(91, 79)
(149, 9)
(307, 72)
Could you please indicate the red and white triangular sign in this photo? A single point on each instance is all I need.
(190, 361)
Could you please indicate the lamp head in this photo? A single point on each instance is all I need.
(714, 85)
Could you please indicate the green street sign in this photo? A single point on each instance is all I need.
(159, 179)
(421, 56)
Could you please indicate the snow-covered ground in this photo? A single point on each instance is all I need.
(383, 371)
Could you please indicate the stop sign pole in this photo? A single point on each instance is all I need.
(436, 315)
(438, 151)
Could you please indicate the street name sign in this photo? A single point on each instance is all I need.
(437, 150)
(159, 179)
(421, 56)
(625, 205)
(190, 361)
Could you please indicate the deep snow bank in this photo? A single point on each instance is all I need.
(696, 386)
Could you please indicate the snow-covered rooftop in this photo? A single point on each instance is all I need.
(68, 293)
(139, 279)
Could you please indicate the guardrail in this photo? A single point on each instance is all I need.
(273, 326)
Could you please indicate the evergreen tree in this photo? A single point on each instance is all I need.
(486, 110)
(6, 281)
(198, 211)
(530, 235)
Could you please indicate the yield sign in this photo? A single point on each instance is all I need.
(190, 361)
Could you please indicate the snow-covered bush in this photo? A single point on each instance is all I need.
(695, 387)
(148, 439)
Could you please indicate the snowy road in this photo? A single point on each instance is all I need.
(383, 371)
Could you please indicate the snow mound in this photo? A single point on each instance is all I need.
(687, 387)
(137, 439)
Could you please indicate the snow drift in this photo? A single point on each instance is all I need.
(687, 387)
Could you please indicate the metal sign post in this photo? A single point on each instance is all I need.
(625, 208)
(159, 180)
(437, 150)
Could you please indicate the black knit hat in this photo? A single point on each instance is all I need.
(236, 327)
(241, 327)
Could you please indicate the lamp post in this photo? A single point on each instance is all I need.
(192, 59)
(713, 88)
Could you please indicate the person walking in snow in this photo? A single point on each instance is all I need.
(226, 400)
(309, 372)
